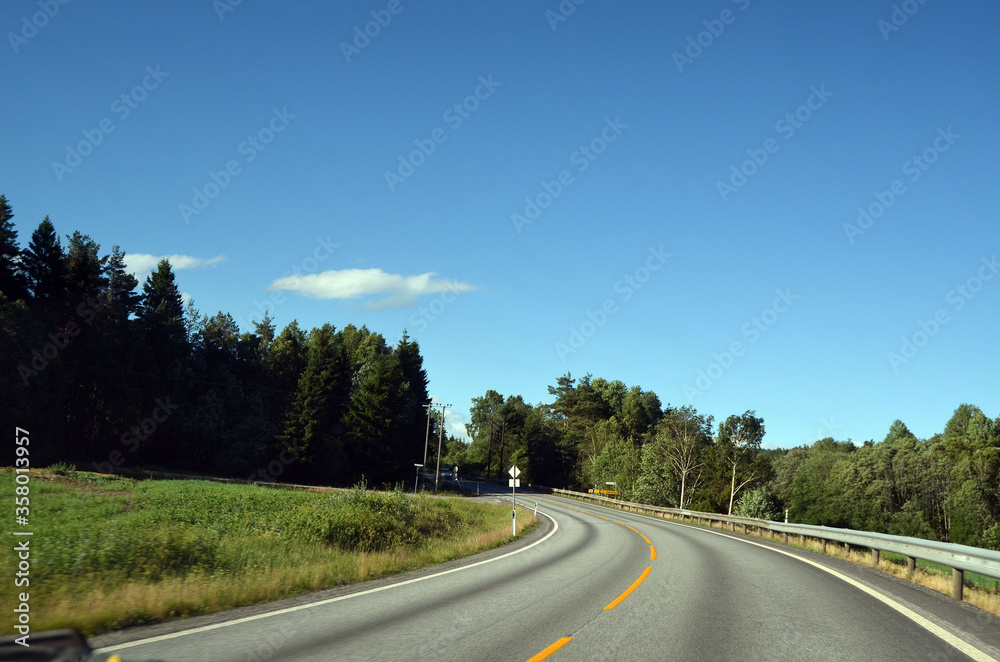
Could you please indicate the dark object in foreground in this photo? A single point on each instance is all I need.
(63, 645)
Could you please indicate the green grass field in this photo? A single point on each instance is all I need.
(109, 552)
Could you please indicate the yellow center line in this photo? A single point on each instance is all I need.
(551, 649)
(652, 550)
(614, 603)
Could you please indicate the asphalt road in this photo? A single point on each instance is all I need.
(586, 583)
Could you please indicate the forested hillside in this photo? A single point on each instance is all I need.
(104, 372)
(597, 431)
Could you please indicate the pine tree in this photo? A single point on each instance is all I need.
(121, 299)
(13, 283)
(86, 280)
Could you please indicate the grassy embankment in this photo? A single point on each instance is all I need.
(109, 552)
(981, 591)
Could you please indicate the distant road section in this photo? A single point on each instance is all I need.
(596, 584)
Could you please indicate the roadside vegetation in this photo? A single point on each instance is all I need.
(596, 431)
(110, 552)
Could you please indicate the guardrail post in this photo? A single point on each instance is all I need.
(911, 566)
(824, 545)
(957, 583)
(784, 537)
(874, 557)
(847, 549)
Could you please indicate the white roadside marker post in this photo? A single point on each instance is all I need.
(514, 484)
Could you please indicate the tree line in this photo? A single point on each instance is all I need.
(596, 432)
(105, 373)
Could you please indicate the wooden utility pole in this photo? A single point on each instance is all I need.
(489, 450)
(437, 472)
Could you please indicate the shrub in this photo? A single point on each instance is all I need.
(758, 503)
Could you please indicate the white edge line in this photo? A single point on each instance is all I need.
(928, 625)
(288, 610)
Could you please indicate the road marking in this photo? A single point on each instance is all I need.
(551, 649)
(652, 557)
(288, 610)
(614, 603)
(925, 623)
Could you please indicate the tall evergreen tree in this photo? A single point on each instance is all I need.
(45, 268)
(312, 428)
(13, 283)
(121, 299)
(282, 365)
(414, 397)
(161, 316)
(373, 422)
(86, 278)
(86, 285)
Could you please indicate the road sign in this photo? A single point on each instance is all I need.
(513, 482)
(514, 472)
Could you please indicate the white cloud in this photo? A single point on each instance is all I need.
(400, 291)
(455, 424)
(139, 264)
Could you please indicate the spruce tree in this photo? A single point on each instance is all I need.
(161, 315)
(414, 397)
(45, 268)
(373, 422)
(312, 432)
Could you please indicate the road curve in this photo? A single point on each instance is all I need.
(596, 584)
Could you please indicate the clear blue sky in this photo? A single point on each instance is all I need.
(838, 98)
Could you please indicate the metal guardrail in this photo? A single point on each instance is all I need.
(960, 558)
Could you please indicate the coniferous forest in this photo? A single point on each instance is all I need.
(105, 371)
(108, 372)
